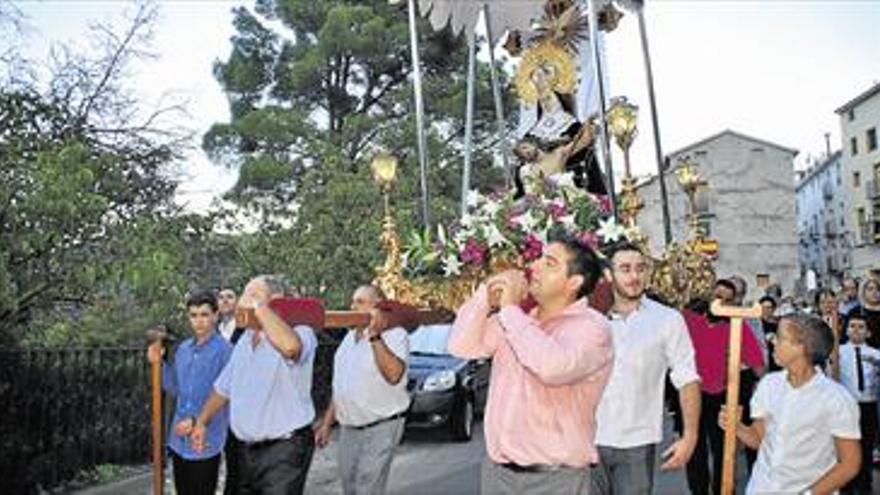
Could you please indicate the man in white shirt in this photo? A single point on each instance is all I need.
(649, 340)
(370, 399)
(859, 374)
(806, 425)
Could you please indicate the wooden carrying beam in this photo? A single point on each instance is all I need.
(736, 315)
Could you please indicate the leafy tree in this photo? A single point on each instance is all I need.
(83, 168)
(312, 96)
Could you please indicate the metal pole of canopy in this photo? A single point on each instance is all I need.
(469, 123)
(499, 106)
(661, 166)
(420, 113)
(600, 86)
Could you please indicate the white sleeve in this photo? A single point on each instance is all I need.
(223, 383)
(679, 352)
(760, 403)
(309, 345)
(398, 341)
(843, 416)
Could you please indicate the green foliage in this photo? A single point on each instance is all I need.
(311, 102)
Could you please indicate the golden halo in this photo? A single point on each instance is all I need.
(543, 54)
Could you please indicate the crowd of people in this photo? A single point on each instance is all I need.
(577, 397)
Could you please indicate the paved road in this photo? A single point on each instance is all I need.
(427, 463)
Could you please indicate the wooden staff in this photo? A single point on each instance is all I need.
(157, 335)
(736, 315)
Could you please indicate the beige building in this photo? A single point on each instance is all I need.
(859, 126)
(748, 207)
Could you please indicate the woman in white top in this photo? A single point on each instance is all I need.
(806, 426)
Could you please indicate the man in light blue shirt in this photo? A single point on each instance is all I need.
(267, 384)
(197, 363)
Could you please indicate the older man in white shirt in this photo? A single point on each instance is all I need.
(649, 340)
(370, 400)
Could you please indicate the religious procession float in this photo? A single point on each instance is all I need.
(558, 165)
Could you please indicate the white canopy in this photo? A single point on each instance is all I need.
(503, 14)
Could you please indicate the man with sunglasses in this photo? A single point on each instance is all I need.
(198, 362)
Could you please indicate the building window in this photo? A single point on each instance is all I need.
(860, 217)
(706, 227)
(857, 179)
(762, 280)
(871, 137)
(854, 146)
(851, 114)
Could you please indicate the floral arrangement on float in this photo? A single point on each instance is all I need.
(501, 231)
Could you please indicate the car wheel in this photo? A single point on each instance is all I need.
(462, 421)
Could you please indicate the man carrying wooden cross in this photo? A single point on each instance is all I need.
(370, 399)
(711, 336)
(806, 425)
(267, 384)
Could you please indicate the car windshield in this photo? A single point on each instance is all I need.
(430, 339)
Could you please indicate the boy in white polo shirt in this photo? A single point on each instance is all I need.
(806, 426)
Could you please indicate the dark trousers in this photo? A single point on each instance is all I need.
(232, 453)
(195, 477)
(277, 467)
(861, 484)
(711, 440)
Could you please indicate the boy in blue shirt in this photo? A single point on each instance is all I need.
(198, 361)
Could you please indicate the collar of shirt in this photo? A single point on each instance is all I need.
(643, 301)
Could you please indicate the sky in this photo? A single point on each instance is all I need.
(772, 69)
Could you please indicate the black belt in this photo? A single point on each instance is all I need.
(531, 468)
(261, 444)
(399, 415)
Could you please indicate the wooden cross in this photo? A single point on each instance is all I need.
(736, 315)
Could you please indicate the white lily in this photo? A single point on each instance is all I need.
(467, 220)
(527, 220)
(494, 237)
(564, 179)
(567, 221)
(609, 230)
(490, 208)
(473, 197)
(451, 265)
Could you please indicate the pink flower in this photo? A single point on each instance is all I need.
(474, 252)
(589, 239)
(556, 210)
(532, 248)
(603, 201)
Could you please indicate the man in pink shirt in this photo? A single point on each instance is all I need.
(710, 336)
(549, 368)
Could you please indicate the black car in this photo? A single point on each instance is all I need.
(446, 391)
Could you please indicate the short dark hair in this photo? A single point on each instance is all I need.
(768, 299)
(723, 282)
(814, 334)
(201, 298)
(822, 292)
(582, 261)
(620, 247)
(856, 314)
